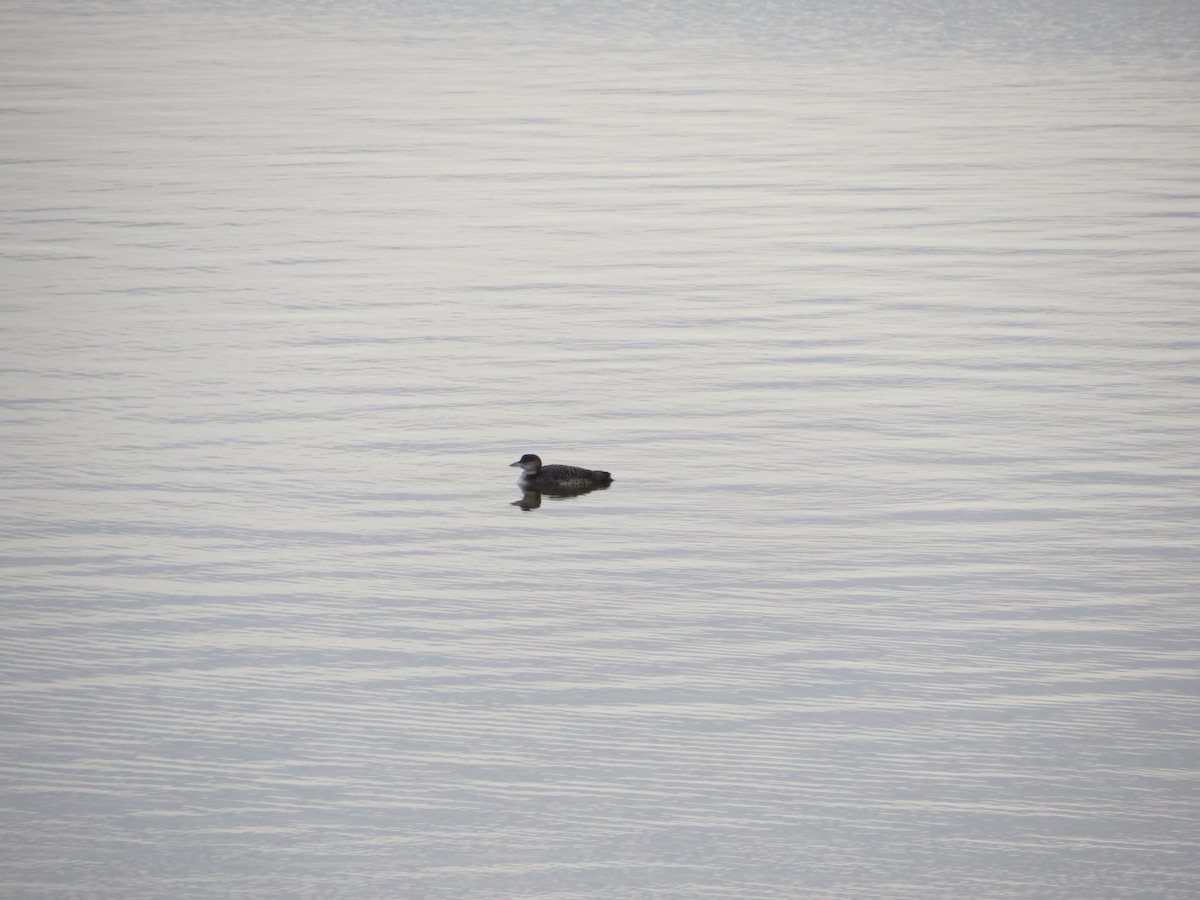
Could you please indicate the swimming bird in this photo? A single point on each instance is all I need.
(556, 478)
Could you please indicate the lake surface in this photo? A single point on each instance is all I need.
(884, 318)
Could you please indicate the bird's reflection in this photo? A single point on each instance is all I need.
(533, 499)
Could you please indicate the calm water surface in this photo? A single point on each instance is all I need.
(884, 319)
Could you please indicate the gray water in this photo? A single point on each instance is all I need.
(884, 318)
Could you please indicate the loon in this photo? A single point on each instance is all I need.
(536, 477)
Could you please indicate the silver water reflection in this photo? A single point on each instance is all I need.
(884, 320)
